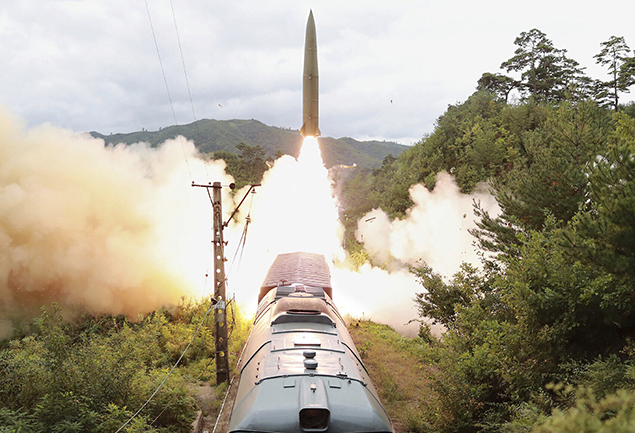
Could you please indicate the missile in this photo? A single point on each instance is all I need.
(310, 83)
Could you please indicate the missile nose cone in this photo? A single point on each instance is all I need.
(310, 24)
(310, 83)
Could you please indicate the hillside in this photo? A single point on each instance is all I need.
(223, 135)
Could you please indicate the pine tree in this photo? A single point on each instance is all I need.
(621, 69)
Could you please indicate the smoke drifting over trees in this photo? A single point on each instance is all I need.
(101, 228)
(434, 230)
(118, 229)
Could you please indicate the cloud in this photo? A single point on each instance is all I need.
(92, 65)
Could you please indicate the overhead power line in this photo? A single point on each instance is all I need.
(165, 80)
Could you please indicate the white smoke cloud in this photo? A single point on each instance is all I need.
(120, 229)
(295, 210)
(372, 292)
(435, 229)
(108, 229)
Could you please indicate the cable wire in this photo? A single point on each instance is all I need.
(167, 88)
(187, 81)
(223, 405)
(243, 238)
(176, 124)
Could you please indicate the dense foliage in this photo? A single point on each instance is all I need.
(91, 375)
(542, 336)
(247, 167)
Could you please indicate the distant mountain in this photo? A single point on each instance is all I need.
(215, 135)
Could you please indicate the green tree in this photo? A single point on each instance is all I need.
(543, 318)
(621, 68)
(530, 58)
(247, 167)
(548, 175)
(498, 84)
(546, 72)
(90, 375)
(252, 161)
(611, 414)
(442, 301)
(467, 141)
(573, 84)
(483, 148)
(603, 235)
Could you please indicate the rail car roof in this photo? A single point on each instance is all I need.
(308, 269)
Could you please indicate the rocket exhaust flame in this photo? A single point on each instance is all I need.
(293, 211)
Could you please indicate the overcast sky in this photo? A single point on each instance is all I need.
(388, 69)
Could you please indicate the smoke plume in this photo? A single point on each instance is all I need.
(435, 230)
(106, 229)
(119, 229)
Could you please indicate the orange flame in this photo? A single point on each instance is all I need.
(294, 210)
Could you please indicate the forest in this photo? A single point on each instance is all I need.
(543, 333)
(540, 338)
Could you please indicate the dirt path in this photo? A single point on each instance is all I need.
(210, 404)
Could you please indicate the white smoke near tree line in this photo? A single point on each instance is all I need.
(119, 229)
(434, 231)
(106, 229)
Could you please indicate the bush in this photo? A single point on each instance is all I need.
(614, 413)
(91, 375)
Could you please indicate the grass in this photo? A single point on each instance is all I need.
(400, 371)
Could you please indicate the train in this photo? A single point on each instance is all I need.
(300, 370)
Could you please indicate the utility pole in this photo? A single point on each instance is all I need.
(220, 300)
(220, 316)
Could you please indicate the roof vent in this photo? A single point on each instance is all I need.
(310, 364)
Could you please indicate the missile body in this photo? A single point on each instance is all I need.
(310, 83)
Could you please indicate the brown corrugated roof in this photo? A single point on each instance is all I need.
(308, 269)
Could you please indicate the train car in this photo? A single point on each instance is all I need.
(300, 370)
